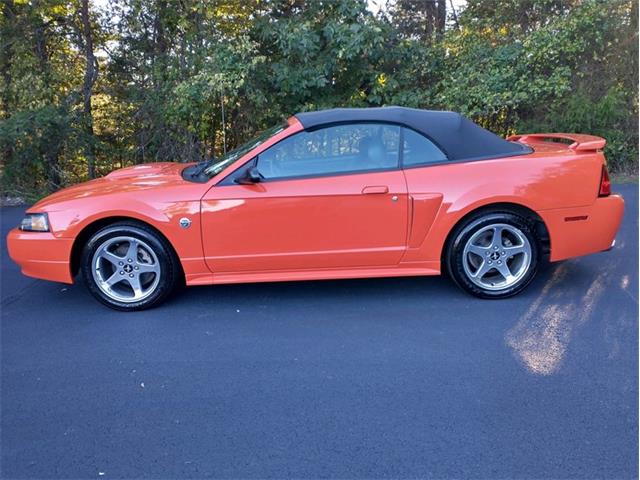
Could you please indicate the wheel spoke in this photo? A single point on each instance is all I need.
(496, 241)
(132, 251)
(511, 251)
(111, 257)
(113, 279)
(135, 285)
(479, 250)
(505, 271)
(148, 268)
(482, 270)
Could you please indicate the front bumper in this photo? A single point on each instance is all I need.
(583, 230)
(41, 255)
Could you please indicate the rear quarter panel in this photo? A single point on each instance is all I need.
(548, 179)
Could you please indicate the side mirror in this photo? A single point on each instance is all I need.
(251, 176)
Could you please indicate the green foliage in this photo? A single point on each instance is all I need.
(169, 70)
(503, 73)
(606, 117)
(34, 135)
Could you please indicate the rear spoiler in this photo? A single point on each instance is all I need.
(581, 143)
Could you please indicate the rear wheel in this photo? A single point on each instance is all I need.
(493, 255)
(128, 266)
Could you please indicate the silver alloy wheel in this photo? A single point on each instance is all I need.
(497, 256)
(126, 269)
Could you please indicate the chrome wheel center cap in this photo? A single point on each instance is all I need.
(495, 256)
(128, 268)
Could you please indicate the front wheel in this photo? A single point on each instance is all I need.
(128, 266)
(494, 255)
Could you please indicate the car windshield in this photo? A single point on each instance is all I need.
(216, 165)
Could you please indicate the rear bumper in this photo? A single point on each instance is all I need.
(580, 231)
(41, 255)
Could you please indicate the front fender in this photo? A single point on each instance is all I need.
(73, 221)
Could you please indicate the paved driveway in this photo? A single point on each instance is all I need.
(400, 377)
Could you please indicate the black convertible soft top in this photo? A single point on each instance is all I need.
(458, 137)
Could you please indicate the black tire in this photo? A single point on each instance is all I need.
(169, 276)
(460, 238)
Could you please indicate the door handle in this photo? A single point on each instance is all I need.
(373, 189)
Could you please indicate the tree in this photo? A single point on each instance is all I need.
(90, 76)
(8, 35)
(419, 19)
(170, 68)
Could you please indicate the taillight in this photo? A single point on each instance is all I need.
(605, 183)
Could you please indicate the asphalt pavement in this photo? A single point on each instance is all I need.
(404, 378)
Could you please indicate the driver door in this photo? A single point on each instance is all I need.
(330, 198)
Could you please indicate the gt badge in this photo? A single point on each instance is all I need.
(185, 222)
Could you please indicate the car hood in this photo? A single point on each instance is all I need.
(147, 171)
(125, 180)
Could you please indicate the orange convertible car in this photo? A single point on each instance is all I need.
(338, 193)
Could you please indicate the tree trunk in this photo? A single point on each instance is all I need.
(455, 15)
(8, 24)
(441, 17)
(90, 76)
(429, 16)
(50, 152)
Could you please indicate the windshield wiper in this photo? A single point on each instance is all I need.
(200, 167)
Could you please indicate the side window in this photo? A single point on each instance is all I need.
(419, 150)
(333, 150)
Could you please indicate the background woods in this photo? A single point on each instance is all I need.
(89, 86)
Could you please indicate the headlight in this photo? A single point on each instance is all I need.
(35, 222)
